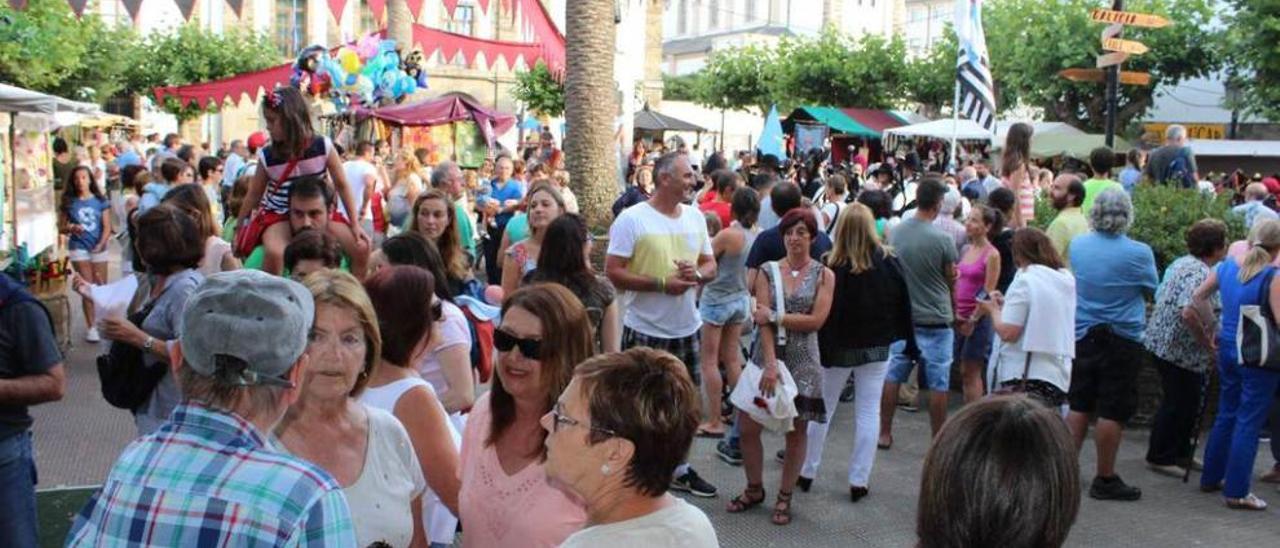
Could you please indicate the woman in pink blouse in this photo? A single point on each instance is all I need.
(506, 499)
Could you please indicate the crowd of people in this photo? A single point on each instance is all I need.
(360, 348)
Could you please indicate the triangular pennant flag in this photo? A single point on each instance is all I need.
(18, 4)
(236, 6)
(449, 7)
(78, 6)
(134, 7)
(187, 7)
(337, 7)
(378, 7)
(415, 8)
(484, 6)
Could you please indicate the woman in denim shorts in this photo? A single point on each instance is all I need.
(725, 306)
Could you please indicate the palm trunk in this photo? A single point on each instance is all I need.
(400, 23)
(590, 107)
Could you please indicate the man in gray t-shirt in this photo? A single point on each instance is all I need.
(928, 258)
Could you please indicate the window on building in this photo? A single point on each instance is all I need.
(713, 14)
(750, 11)
(463, 20)
(291, 26)
(682, 17)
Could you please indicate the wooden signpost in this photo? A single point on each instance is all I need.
(1117, 51)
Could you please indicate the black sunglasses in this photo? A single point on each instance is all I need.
(531, 348)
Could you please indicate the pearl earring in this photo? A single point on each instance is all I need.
(604, 469)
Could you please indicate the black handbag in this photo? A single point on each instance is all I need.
(1257, 338)
(126, 379)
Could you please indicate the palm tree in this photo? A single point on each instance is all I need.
(590, 106)
(400, 23)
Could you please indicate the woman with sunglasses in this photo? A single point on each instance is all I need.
(505, 499)
(606, 445)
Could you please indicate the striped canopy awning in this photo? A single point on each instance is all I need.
(858, 122)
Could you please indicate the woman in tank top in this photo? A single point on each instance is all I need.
(977, 273)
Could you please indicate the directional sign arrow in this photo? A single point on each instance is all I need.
(1114, 58)
(1112, 31)
(1127, 46)
(1098, 75)
(1128, 18)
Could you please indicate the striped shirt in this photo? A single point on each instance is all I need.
(210, 479)
(314, 162)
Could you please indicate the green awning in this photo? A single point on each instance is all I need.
(834, 118)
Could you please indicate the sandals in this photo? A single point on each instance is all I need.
(782, 509)
(1249, 502)
(884, 445)
(744, 501)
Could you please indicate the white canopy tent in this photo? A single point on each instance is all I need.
(16, 99)
(1038, 129)
(1220, 147)
(963, 130)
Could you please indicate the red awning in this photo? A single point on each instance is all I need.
(548, 49)
(875, 120)
(443, 110)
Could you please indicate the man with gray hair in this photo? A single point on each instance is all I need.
(1254, 208)
(1173, 163)
(1113, 276)
(210, 473)
(447, 178)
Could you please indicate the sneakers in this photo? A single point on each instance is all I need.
(908, 406)
(693, 484)
(92, 335)
(729, 453)
(1113, 488)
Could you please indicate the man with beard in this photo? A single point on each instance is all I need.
(1067, 193)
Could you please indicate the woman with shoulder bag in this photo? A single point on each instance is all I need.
(1245, 393)
(870, 310)
(1034, 323)
(806, 288)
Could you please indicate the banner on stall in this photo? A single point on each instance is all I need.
(809, 137)
(460, 142)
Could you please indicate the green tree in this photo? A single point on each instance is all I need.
(540, 91)
(1030, 41)
(41, 45)
(1253, 52)
(685, 87)
(191, 54)
(833, 69)
(110, 54)
(931, 78)
(737, 78)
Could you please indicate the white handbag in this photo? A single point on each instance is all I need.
(776, 413)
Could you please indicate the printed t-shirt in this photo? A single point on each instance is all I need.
(654, 242)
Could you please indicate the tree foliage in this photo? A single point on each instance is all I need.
(738, 78)
(1030, 41)
(44, 47)
(1253, 52)
(191, 54)
(681, 88)
(931, 79)
(540, 91)
(834, 69)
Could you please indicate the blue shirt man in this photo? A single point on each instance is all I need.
(1113, 273)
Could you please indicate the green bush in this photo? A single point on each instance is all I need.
(1162, 215)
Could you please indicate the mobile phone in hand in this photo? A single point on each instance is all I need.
(982, 295)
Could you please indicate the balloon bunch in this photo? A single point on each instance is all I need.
(370, 72)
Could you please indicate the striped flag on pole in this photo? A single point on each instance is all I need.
(977, 99)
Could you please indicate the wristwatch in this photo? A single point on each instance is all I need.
(147, 344)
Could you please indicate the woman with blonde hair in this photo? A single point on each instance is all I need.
(435, 218)
(364, 448)
(543, 205)
(505, 498)
(406, 184)
(1246, 393)
(870, 310)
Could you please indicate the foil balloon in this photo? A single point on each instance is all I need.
(349, 60)
(368, 46)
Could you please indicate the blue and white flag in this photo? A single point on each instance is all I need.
(771, 140)
(977, 92)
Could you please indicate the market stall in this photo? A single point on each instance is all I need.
(452, 127)
(652, 126)
(28, 218)
(861, 128)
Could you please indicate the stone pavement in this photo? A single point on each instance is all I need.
(78, 439)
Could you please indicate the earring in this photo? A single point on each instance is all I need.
(604, 469)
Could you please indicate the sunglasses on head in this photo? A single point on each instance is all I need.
(531, 348)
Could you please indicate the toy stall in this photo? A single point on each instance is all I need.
(452, 127)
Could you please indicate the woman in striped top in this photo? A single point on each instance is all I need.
(295, 152)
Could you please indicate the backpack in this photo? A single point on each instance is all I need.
(1179, 171)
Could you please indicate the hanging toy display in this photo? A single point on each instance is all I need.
(369, 73)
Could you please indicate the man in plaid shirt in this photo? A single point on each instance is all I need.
(209, 476)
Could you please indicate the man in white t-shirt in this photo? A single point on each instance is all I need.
(362, 177)
(659, 254)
